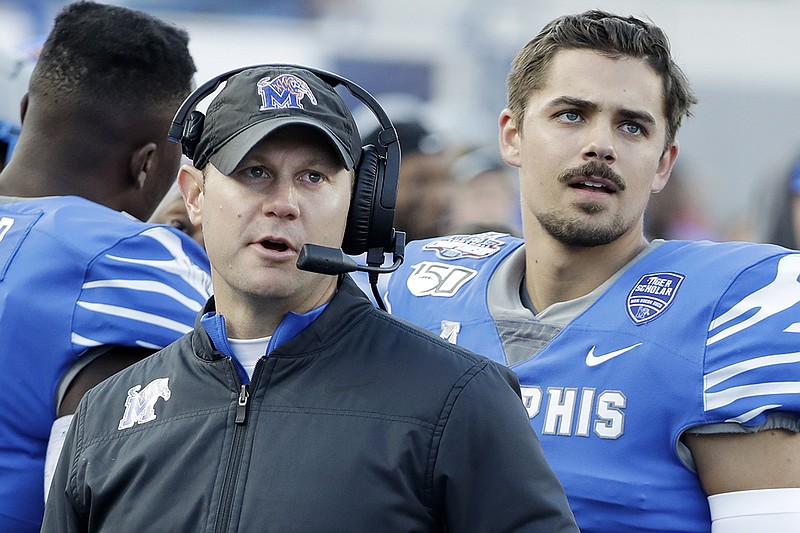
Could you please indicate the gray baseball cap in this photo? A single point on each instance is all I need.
(258, 101)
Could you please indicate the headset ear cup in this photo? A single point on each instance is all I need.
(192, 130)
(359, 218)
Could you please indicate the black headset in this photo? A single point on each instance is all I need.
(371, 215)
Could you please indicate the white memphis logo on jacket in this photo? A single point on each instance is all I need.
(140, 405)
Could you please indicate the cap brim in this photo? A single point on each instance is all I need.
(230, 154)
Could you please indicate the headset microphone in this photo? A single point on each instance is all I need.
(325, 260)
(333, 261)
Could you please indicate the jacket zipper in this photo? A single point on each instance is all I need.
(232, 473)
(241, 406)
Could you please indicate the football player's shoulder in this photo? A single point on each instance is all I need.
(734, 253)
(733, 263)
(84, 223)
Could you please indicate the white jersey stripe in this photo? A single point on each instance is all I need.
(137, 315)
(152, 346)
(749, 415)
(781, 294)
(715, 400)
(718, 376)
(89, 343)
(181, 266)
(83, 341)
(146, 286)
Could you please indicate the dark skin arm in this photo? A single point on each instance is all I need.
(104, 366)
(730, 462)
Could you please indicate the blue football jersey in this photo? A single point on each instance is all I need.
(76, 275)
(688, 334)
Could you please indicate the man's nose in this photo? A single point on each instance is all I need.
(600, 145)
(281, 199)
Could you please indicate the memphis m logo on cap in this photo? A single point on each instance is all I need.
(283, 92)
(257, 101)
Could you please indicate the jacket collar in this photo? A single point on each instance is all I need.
(347, 305)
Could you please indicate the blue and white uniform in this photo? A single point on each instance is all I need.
(75, 275)
(688, 335)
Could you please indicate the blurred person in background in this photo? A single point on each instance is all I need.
(172, 212)
(86, 287)
(777, 217)
(426, 183)
(677, 211)
(485, 194)
(15, 71)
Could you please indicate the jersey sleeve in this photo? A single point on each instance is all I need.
(144, 291)
(752, 363)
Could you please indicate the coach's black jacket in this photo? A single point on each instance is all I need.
(360, 423)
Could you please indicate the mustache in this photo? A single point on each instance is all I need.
(593, 168)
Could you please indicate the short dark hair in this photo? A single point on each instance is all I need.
(113, 56)
(608, 34)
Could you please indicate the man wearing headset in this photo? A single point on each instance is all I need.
(295, 404)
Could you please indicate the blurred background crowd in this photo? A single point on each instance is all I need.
(439, 70)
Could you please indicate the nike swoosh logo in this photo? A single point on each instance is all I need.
(594, 360)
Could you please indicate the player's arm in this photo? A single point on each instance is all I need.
(752, 476)
(104, 362)
(112, 360)
(752, 479)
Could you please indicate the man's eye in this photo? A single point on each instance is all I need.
(254, 172)
(315, 177)
(570, 116)
(633, 128)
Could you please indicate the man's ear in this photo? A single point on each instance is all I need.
(509, 138)
(190, 182)
(140, 163)
(664, 168)
(23, 108)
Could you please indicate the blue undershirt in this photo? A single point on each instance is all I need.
(291, 325)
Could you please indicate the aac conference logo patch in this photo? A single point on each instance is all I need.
(478, 246)
(652, 295)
